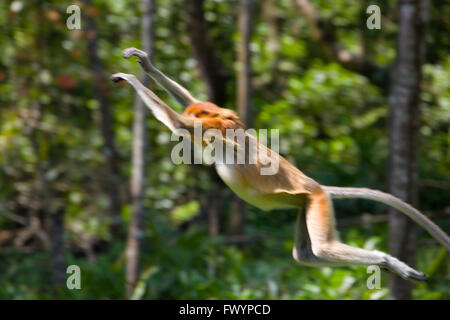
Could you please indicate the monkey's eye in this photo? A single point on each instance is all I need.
(202, 113)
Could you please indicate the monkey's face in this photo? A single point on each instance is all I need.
(214, 117)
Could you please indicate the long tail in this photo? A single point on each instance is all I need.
(390, 200)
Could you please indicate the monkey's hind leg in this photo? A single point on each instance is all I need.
(326, 248)
(302, 251)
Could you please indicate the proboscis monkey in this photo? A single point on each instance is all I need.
(316, 239)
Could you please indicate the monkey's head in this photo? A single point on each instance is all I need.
(214, 117)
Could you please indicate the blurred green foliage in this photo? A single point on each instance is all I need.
(333, 126)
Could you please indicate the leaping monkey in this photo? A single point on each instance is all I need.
(316, 239)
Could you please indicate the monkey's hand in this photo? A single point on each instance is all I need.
(181, 94)
(142, 55)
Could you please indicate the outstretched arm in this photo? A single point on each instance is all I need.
(174, 89)
(162, 111)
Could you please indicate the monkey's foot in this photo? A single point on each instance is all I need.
(403, 270)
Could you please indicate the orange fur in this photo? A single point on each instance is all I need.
(214, 117)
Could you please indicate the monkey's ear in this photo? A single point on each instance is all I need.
(160, 110)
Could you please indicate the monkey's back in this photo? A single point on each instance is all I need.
(287, 187)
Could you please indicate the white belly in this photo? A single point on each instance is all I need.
(228, 173)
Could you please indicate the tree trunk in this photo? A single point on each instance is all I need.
(211, 68)
(58, 261)
(110, 152)
(213, 75)
(270, 18)
(244, 64)
(404, 100)
(136, 228)
(238, 208)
